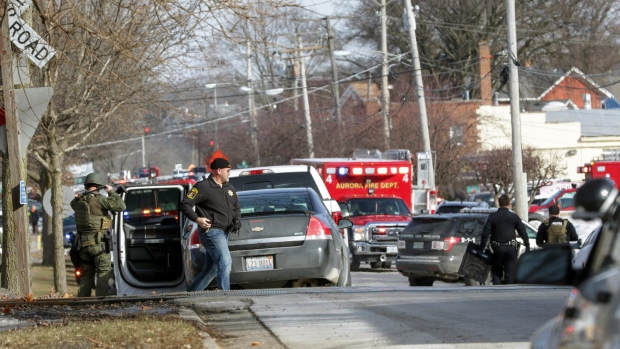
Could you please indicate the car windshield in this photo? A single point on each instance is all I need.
(377, 206)
(428, 226)
(549, 201)
(279, 202)
(151, 206)
(274, 180)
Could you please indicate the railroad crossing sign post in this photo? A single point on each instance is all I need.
(24, 37)
(15, 30)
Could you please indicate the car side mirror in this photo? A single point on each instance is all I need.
(344, 223)
(344, 208)
(551, 265)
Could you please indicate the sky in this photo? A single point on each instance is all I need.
(323, 7)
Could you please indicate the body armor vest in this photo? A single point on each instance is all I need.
(556, 232)
(91, 219)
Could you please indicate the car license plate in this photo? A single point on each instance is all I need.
(437, 245)
(419, 244)
(392, 249)
(259, 263)
(401, 244)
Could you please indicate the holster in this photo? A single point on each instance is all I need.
(107, 240)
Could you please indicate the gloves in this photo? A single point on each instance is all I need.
(236, 225)
(527, 248)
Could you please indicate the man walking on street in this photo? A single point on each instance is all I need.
(217, 214)
(555, 229)
(92, 220)
(500, 230)
(34, 219)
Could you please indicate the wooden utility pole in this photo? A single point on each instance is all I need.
(519, 183)
(304, 90)
(335, 87)
(17, 212)
(385, 92)
(419, 88)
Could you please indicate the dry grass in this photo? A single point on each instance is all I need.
(43, 279)
(102, 325)
(153, 332)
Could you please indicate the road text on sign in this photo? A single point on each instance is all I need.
(25, 38)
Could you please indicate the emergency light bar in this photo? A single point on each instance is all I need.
(358, 171)
(255, 172)
(584, 169)
(478, 210)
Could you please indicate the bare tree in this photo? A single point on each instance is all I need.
(493, 168)
(552, 35)
(541, 168)
(114, 60)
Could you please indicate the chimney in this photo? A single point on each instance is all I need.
(484, 52)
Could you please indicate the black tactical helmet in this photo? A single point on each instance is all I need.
(594, 198)
(93, 179)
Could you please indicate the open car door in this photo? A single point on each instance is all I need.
(147, 254)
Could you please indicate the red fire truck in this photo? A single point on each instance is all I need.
(602, 169)
(375, 194)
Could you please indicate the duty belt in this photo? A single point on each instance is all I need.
(509, 243)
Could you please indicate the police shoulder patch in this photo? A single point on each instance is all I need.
(192, 193)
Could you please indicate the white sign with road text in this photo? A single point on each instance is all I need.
(24, 37)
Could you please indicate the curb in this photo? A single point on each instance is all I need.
(190, 315)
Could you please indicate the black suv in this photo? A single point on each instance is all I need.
(432, 246)
(457, 206)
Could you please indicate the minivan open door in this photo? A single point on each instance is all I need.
(147, 253)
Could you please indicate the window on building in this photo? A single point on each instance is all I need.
(456, 135)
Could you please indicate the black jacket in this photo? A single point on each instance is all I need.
(501, 226)
(542, 237)
(218, 204)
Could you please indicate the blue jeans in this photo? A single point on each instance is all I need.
(217, 261)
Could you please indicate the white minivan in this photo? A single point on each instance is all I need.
(147, 238)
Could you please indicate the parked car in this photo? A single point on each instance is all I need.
(287, 239)
(432, 246)
(69, 230)
(591, 315)
(179, 174)
(197, 173)
(457, 206)
(581, 257)
(285, 176)
(149, 239)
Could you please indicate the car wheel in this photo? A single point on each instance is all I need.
(472, 282)
(421, 281)
(345, 274)
(387, 265)
(355, 265)
(376, 265)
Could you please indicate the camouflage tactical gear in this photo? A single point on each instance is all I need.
(96, 270)
(91, 218)
(556, 231)
(93, 179)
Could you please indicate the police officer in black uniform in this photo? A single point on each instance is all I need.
(542, 236)
(500, 229)
(217, 214)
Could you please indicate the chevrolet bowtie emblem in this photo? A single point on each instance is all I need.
(258, 229)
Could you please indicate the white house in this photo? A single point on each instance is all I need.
(577, 136)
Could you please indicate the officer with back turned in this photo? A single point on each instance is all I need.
(500, 228)
(92, 219)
